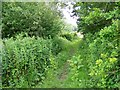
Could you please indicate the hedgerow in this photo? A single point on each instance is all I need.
(24, 61)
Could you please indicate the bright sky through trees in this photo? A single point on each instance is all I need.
(67, 11)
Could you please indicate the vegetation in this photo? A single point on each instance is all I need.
(100, 25)
(25, 61)
(36, 19)
(38, 52)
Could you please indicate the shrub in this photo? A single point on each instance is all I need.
(68, 36)
(59, 44)
(103, 60)
(34, 18)
(101, 64)
(25, 61)
(98, 59)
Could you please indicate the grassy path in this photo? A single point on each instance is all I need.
(61, 76)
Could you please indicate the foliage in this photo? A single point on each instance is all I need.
(37, 19)
(68, 36)
(59, 44)
(105, 65)
(100, 56)
(64, 60)
(25, 61)
(60, 73)
(95, 16)
(1, 44)
(100, 47)
(79, 71)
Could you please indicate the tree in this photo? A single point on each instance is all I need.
(99, 22)
(95, 16)
(34, 18)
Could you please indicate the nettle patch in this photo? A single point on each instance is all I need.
(25, 61)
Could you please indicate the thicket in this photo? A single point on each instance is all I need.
(24, 61)
(95, 16)
(93, 61)
(38, 19)
(101, 44)
(99, 58)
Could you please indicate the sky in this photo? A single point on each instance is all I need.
(67, 12)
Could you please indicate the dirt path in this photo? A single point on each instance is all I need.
(65, 71)
(61, 77)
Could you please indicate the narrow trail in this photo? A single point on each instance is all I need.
(60, 78)
(65, 71)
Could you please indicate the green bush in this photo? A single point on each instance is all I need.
(59, 44)
(68, 36)
(25, 61)
(104, 61)
(99, 22)
(1, 63)
(34, 18)
(95, 16)
(103, 57)
(78, 72)
(98, 59)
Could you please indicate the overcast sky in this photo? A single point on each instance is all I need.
(67, 11)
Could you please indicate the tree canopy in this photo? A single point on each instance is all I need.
(95, 16)
(37, 19)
